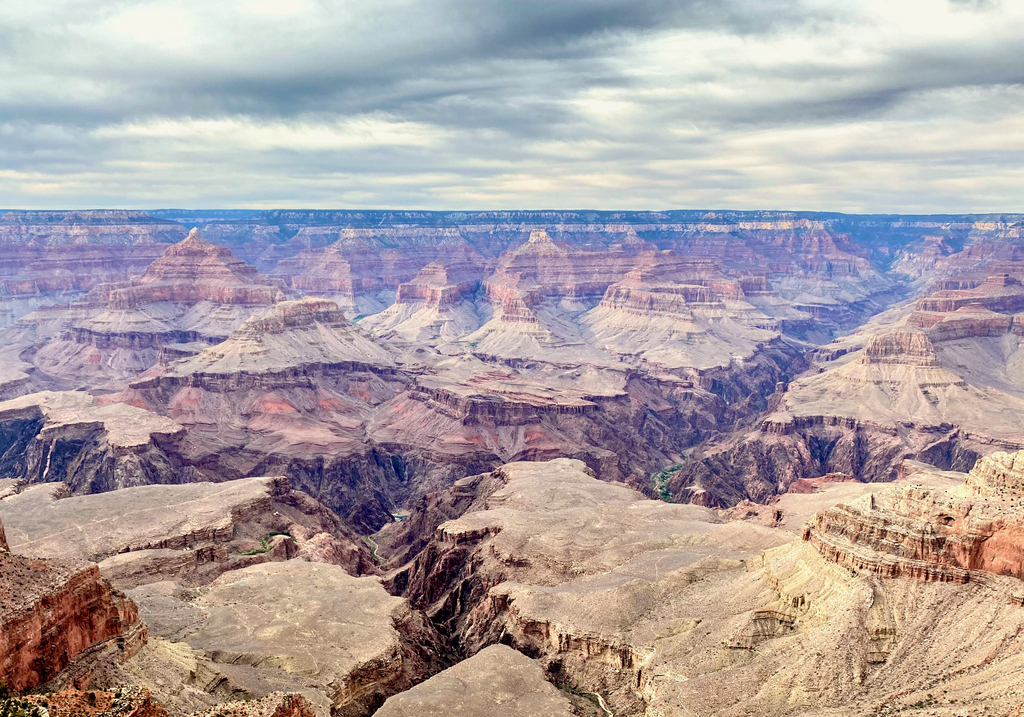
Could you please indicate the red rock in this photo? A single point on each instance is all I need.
(192, 271)
(51, 611)
(945, 536)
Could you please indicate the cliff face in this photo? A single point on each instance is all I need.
(71, 438)
(534, 555)
(53, 611)
(935, 382)
(948, 536)
(622, 596)
(195, 293)
(188, 533)
(192, 271)
(106, 227)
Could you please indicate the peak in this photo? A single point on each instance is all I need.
(540, 243)
(195, 241)
(193, 238)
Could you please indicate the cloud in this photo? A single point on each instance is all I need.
(864, 105)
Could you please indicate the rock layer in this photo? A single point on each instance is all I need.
(949, 536)
(54, 611)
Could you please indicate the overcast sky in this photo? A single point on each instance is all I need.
(844, 105)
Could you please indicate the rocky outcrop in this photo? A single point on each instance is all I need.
(345, 637)
(277, 704)
(900, 347)
(294, 338)
(497, 680)
(188, 533)
(531, 562)
(51, 612)
(126, 701)
(132, 701)
(90, 446)
(946, 536)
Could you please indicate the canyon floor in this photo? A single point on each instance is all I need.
(511, 463)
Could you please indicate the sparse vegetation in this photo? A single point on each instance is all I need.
(660, 481)
(265, 544)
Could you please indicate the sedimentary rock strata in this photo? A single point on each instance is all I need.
(87, 444)
(923, 533)
(188, 533)
(936, 381)
(195, 293)
(676, 618)
(497, 680)
(553, 561)
(315, 627)
(53, 611)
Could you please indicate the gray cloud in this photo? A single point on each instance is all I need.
(829, 105)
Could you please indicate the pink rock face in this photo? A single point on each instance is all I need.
(33, 270)
(930, 534)
(437, 285)
(192, 271)
(50, 611)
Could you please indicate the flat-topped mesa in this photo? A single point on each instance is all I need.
(302, 313)
(437, 285)
(192, 271)
(88, 444)
(932, 534)
(664, 283)
(912, 348)
(190, 533)
(1000, 292)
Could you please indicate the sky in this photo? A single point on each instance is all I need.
(912, 106)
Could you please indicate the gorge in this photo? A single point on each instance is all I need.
(572, 463)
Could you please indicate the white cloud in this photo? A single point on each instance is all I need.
(865, 105)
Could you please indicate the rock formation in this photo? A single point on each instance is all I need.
(88, 444)
(553, 562)
(188, 533)
(948, 536)
(131, 701)
(497, 680)
(196, 293)
(672, 610)
(936, 382)
(54, 611)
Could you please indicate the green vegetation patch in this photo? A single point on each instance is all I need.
(265, 544)
(660, 481)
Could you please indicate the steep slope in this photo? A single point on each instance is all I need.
(672, 610)
(53, 611)
(939, 381)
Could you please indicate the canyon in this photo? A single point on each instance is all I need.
(571, 463)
